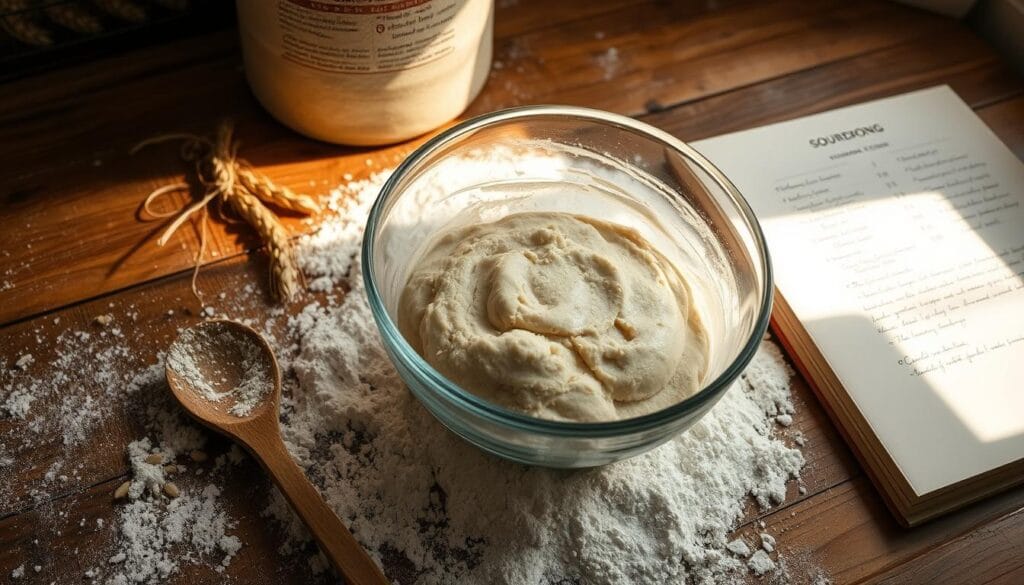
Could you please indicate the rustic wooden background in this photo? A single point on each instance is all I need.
(71, 246)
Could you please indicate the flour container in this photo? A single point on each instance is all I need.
(366, 72)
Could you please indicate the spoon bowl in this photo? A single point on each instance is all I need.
(209, 361)
(226, 376)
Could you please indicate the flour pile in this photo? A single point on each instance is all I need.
(158, 535)
(158, 539)
(407, 486)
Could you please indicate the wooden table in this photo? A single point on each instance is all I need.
(71, 246)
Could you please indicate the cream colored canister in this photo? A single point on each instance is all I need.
(366, 72)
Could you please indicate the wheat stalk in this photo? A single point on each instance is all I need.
(268, 192)
(21, 25)
(284, 271)
(227, 180)
(179, 5)
(122, 9)
(75, 18)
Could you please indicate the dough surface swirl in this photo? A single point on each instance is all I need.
(558, 316)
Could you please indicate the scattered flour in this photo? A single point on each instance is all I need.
(18, 403)
(98, 364)
(609, 62)
(739, 548)
(152, 534)
(146, 477)
(157, 535)
(411, 492)
(767, 542)
(761, 563)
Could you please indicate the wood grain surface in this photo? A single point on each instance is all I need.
(72, 246)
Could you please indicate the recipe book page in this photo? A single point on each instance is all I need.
(896, 231)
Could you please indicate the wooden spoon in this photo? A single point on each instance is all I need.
(226, 376)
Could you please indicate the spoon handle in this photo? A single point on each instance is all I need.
(345, 553)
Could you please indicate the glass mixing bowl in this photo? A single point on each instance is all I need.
(621, 170)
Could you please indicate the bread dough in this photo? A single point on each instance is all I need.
(556, 315)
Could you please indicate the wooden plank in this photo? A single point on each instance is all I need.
(1006, 118)
(72, 536)
(828, 461)
(654, 59)
(27, 97)
(73, 193)
(992, 552)
(512, 18)
(962, 60)
(848, 533)
(1014, 577)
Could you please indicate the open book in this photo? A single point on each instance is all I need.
(896, 230)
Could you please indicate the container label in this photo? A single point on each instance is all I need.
(366, 36)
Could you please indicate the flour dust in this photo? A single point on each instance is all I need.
(432, 508)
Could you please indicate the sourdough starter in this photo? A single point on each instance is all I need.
(558, 316)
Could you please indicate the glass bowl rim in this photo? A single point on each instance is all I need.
(466, 400)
